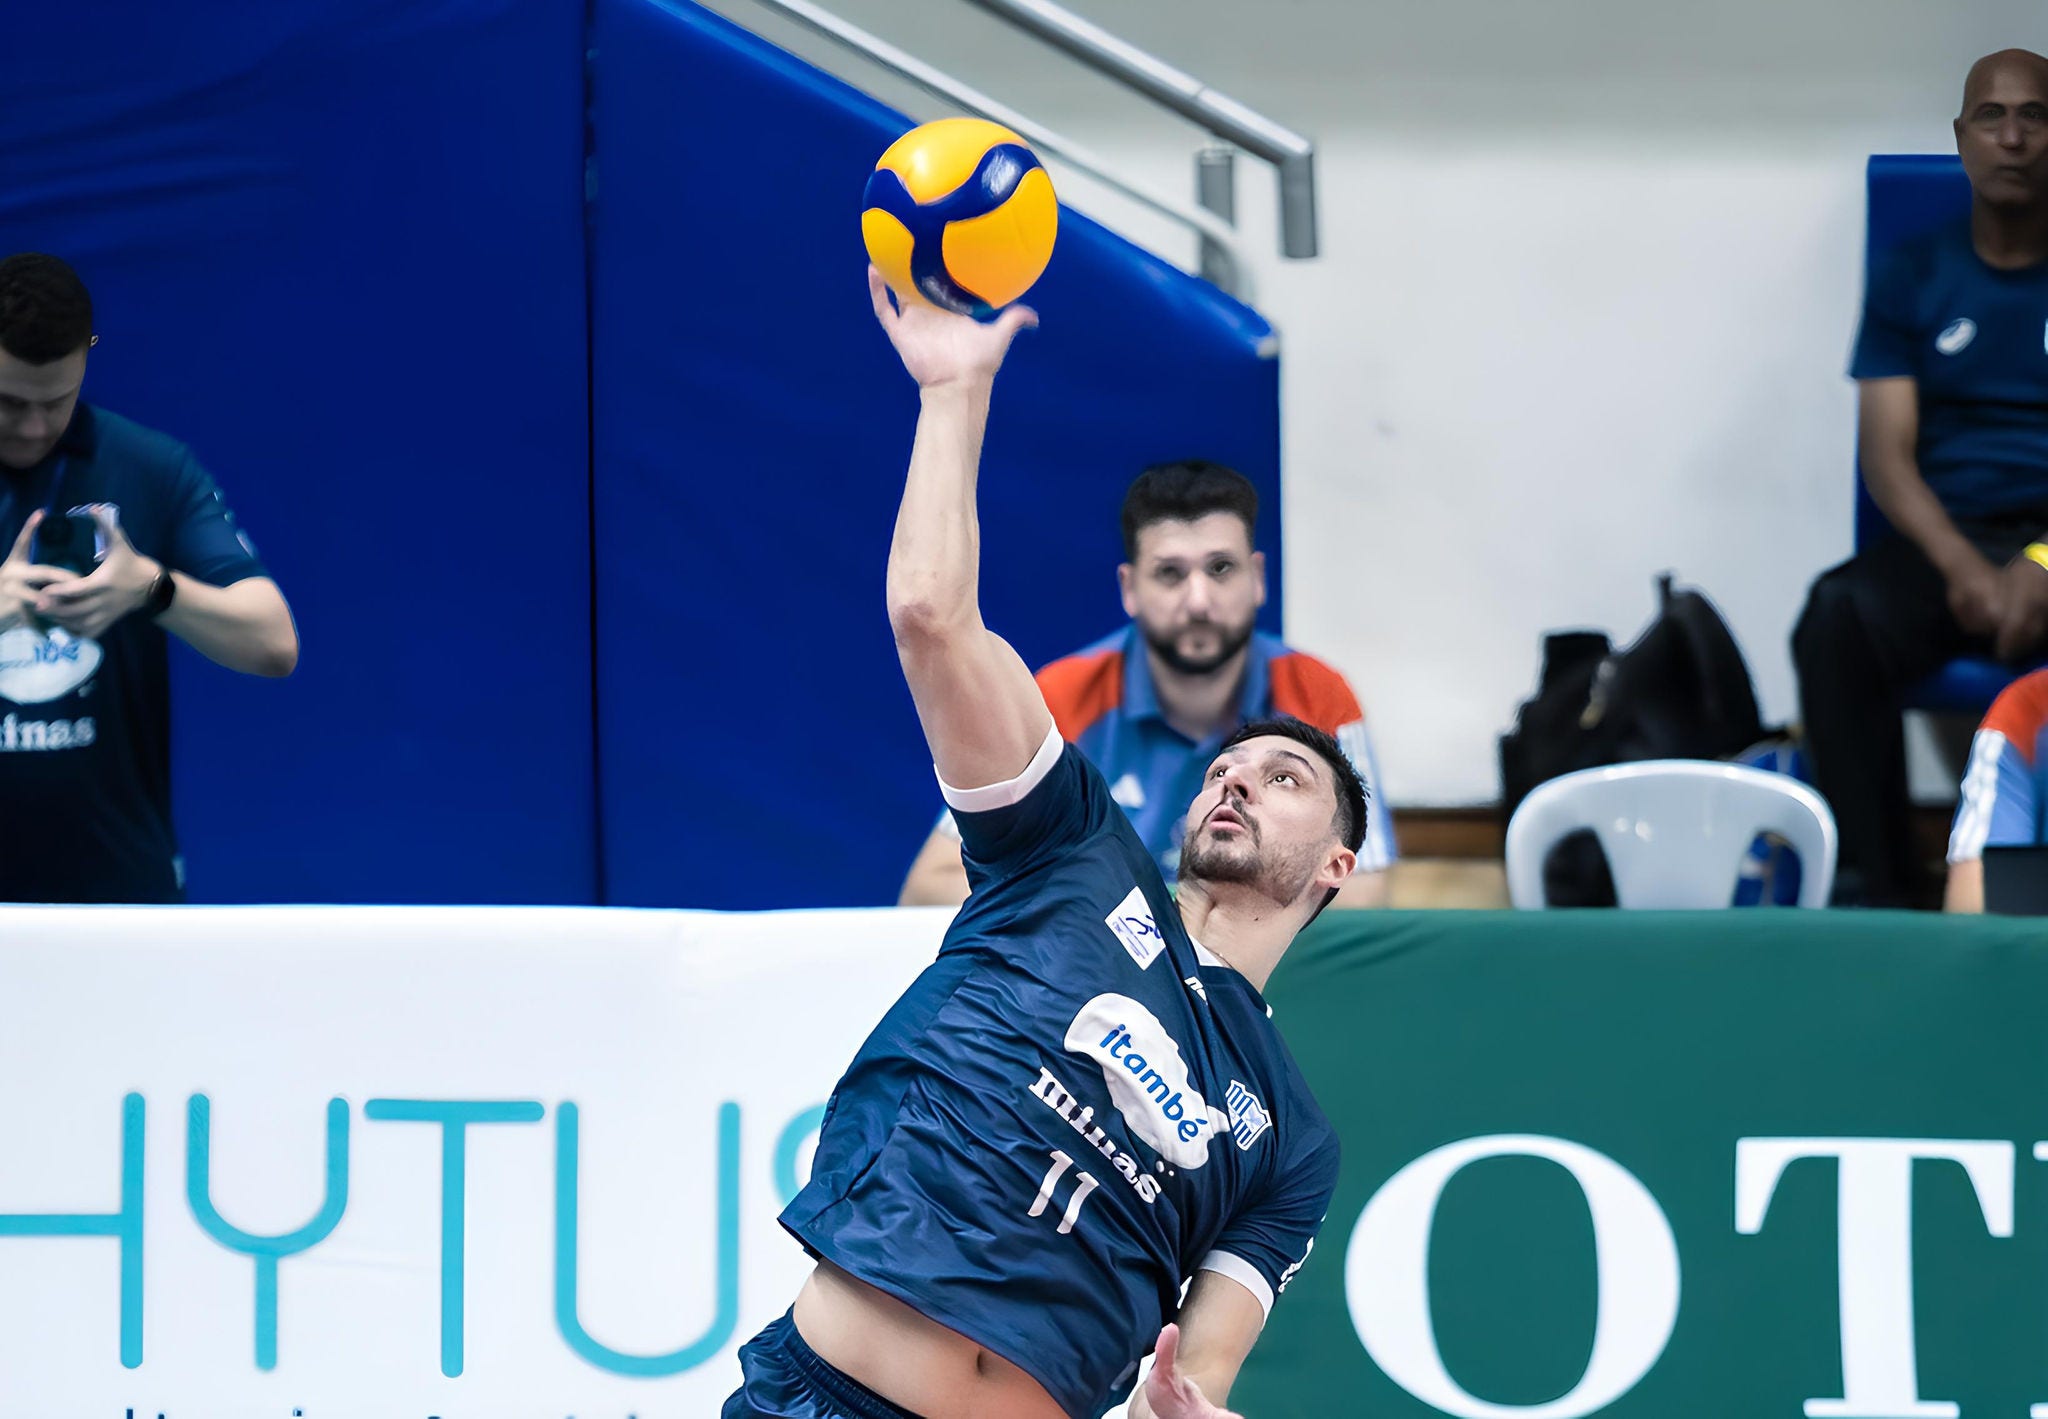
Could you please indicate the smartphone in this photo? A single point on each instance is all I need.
(70, 540)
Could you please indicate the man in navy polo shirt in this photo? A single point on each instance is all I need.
(1150, 703)
(1952, 374)
(85, 758)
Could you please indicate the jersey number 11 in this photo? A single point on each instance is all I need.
(1083, 1185)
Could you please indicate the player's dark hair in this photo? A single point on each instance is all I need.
(45, 310)
(1351, 795)
(1184, 491)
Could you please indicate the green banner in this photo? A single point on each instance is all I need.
(1744, 1163)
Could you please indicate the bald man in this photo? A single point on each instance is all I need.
(1952, 374)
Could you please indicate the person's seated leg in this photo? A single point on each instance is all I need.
(1872, 626)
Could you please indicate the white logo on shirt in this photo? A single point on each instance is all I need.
(36, 668)
(1128, 793)
(1957, 337)
(1148, 1077)
(1248, 1117)
(1131, 923)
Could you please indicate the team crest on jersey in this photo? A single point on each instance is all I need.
(1248, 1117)
(1132, 924)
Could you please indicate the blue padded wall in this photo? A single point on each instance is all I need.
(337, 246)
(752, 425)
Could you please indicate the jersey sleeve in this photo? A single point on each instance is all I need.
(2000, 803)
(1264, 1245)
(205, 541)
(1886, 339)
(1058, 803)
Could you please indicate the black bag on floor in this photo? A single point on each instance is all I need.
(1681, 690)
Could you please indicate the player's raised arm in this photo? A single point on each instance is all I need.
(982, 713)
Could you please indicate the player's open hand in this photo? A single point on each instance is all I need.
(86, 606)
(1169, 1394)
(940, 348)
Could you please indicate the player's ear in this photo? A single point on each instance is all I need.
(1127, 585)
(1337, 867)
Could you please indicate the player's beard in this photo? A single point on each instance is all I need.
(1229, 641)
(1243, 861)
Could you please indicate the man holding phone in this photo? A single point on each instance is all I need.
(116, 535)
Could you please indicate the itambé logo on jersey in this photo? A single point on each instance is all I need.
(37, 667)
(1148, 1078)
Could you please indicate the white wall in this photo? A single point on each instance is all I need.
(1590, 275)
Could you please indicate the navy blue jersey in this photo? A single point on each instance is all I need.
(1974, 340)
(85, 733)
(1071, 1111)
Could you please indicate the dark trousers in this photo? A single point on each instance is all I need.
(1872, 627)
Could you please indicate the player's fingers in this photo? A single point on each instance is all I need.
(28, 532)
(1017, 317)
(878, 295)
(1164, 1354)
(110, 524)
(63, 593)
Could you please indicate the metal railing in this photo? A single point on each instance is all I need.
(1290, 152)
(1213, 216)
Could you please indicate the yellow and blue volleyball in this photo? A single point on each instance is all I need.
(959, 214)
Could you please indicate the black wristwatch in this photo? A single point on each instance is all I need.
(162, 592)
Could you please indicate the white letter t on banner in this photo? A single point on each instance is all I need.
(1874, 1202)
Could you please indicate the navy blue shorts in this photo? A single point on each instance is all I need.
(785, 1379)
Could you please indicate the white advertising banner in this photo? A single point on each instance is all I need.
(412, 1163)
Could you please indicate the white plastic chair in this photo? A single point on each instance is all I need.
(1674, 830)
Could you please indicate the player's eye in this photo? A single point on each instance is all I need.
(1285, 776)
(1216, 772)
(1222, 569)
(1171, 576)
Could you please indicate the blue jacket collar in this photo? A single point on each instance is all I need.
(1141, 699)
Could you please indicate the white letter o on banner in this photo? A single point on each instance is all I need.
(1386, 1277)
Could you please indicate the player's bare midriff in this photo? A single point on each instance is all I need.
(909, 1359)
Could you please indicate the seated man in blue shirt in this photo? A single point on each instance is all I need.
(1952, 374)
(1150, 703)
(1078, 1130)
